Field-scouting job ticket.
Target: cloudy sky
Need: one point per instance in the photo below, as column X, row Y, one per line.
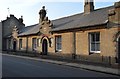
column 29, row 9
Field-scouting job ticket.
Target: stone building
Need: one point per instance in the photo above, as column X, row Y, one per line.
column 0, row 36
column 93, row 35
column 7, row 28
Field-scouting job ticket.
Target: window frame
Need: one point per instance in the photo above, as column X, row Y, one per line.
column 56, row 43
column 20, row 44
column 95, row 42
column 34, row 47
column 38, row 42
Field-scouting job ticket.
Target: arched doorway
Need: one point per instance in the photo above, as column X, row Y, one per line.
column 14, row 45
column 118, row 50
column 44, row 47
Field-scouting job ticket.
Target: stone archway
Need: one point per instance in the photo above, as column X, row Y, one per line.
column 44, row 47
column 117, row 40
column 118, row 60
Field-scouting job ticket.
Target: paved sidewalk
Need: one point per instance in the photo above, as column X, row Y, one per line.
column 83, row 66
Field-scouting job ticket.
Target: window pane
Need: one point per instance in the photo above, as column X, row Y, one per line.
column 20, row 43
column 97, row 46
column 95, row 41
column 58, row 39
column 58, row 42
column 92, row 37
column 97, row 37
column 92, row 47
column 34, row 42
column 37, row 42
column 60, row 47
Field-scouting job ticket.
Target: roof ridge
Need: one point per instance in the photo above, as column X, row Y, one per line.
column 68, row 16
column 103, row 8
column 32, row 25
column 81, row 13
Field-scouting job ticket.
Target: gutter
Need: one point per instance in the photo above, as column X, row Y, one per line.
column 28, row 34
column 90, row 26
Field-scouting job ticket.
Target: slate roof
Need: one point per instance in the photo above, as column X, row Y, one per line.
column 33, row 29
column 97, row 17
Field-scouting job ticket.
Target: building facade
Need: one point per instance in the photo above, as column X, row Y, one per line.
column 92, row 35
column 7, row 28
column 0, row 36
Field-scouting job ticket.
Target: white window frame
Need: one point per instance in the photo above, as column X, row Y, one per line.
column 91, row 51
column 20, row 44
column 34, row 47
column 56, row 43
column 52, row 41
column 38, row 42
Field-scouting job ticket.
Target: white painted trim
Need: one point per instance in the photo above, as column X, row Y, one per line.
column 118, row 38
column 90, row 45
column 58, row 50
column 56, row 45
column 47, row 41
column 95, row 51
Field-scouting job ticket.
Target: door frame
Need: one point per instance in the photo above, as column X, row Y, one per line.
column 117, row 40
column 14, row 45
column 44, row 46
column 118, row 58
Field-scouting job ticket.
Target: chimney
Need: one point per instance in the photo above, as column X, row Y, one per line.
column 114, row 15
column 88, row 6
column 11, row 15
column 117, row 12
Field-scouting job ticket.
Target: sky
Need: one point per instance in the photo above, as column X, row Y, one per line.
column 29, row 9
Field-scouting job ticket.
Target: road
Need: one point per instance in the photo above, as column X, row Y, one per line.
column 23, row 67
column 0, row 65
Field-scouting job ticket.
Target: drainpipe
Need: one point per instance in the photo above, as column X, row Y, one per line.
column 26, row 44
column 74, row 46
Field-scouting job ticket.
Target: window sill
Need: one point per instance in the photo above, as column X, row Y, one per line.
column 95, row 52
column 57, row 51
column 21, row 49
